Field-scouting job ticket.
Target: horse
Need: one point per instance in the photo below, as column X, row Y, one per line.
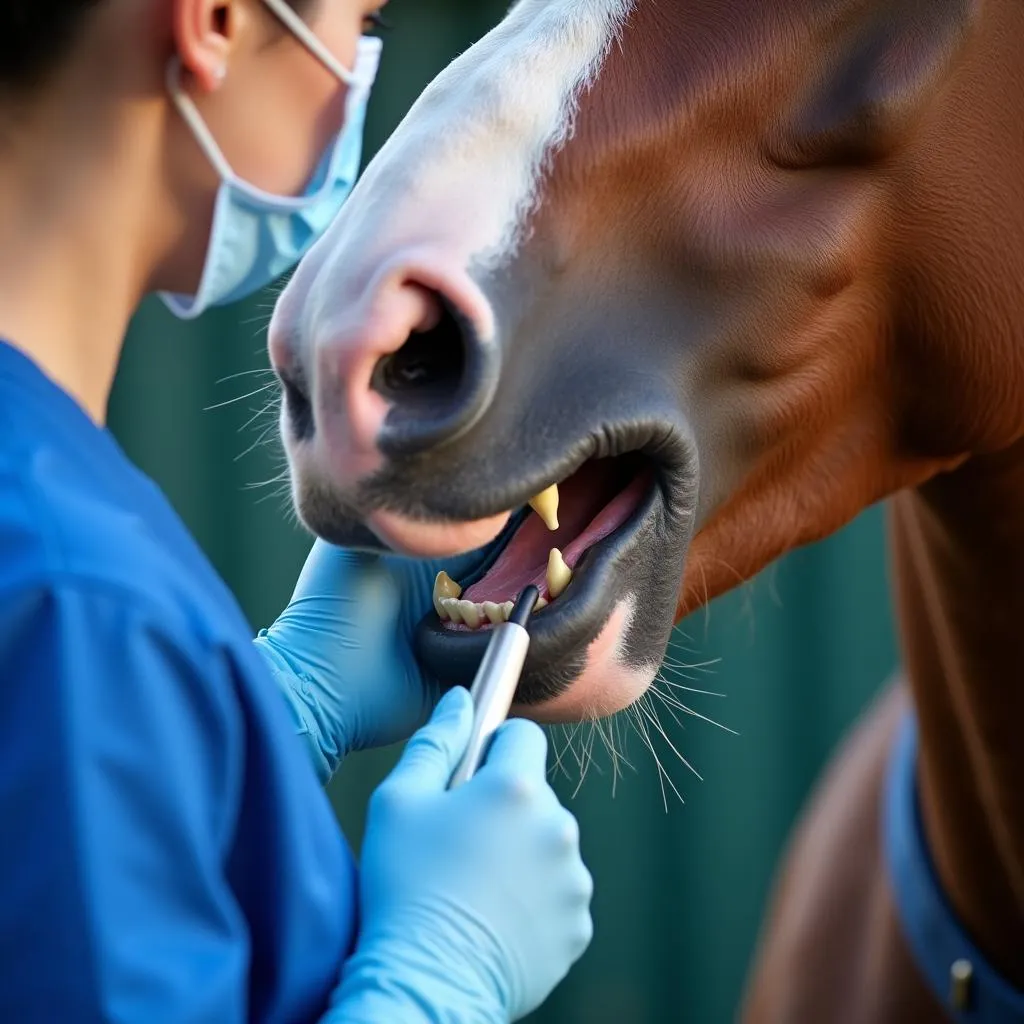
column 641, row 296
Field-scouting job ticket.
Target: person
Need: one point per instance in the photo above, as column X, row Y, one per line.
column 169, row 852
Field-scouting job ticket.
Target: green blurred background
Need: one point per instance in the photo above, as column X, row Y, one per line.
column 681, row 879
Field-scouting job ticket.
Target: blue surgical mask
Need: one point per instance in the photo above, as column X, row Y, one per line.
column 257, row 236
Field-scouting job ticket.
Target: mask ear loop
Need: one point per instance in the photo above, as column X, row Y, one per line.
column 308, row 38
column 190, row 112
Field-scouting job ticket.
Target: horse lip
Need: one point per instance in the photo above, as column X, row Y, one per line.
column 560, row 631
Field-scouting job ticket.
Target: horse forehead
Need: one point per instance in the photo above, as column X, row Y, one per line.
column 463, row 169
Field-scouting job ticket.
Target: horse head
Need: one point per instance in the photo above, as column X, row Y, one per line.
column 721, row 273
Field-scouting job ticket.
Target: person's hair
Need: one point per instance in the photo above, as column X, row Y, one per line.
column 35, row 36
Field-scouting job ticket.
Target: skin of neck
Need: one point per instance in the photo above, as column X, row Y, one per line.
column 959, row 559
column 89, row 221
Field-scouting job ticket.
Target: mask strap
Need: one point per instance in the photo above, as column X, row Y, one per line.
column 190, row 112
column 308, row 38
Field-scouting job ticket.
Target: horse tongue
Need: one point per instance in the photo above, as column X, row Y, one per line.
column 592, row 505
column 524, row 561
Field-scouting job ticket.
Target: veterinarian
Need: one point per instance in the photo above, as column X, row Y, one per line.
column 169, row 853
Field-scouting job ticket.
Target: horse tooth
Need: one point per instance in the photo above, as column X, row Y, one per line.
column 494, row 612
column 542, row 602
column 506, row 609
column 452, row 609
column 444, row 587
column 471, row 613
column 559, row 573
column 545, row 505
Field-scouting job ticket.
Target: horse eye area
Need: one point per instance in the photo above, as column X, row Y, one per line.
column 428, row 368
column 589, row 507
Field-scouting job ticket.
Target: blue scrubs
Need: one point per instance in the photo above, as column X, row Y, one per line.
column 166, row 853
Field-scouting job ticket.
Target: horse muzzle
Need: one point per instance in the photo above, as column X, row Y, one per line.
column 421, row 416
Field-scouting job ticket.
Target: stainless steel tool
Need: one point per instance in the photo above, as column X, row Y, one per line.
column 495, row 684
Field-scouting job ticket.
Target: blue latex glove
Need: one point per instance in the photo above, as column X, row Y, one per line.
column 342, row 650
column 474, row 903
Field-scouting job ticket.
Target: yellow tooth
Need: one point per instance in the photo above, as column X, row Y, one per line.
column 506, row 609
column 542, row 602
column 495, row 612
column 546, row 506
column 559, row 573
column 451, row 609
column 444, row 586
column 471, row 614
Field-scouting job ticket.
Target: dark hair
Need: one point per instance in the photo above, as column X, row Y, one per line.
column 35, row 35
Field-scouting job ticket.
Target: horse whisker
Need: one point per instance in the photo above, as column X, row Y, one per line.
column 641, row 726
column 670, row 703
column 670, row 700
column 588, row 752
column 256, row 444
column 691, row 689
column 259, row 484
column 240, row 398
column 652, row 715
column 245, row 373
column 569, row 748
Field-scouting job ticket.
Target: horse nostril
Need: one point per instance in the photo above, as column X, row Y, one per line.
column 430, row 363
column 438, row 384
column 299, row 408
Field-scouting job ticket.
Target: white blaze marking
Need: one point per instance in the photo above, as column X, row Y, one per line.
column 460, row 174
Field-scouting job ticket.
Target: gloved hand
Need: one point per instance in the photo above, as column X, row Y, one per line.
column 342, row 650
column 474, row 903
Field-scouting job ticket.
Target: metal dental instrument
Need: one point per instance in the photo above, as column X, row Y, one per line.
column 495, row 684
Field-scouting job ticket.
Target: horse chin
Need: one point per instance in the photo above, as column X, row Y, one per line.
column 608, row 682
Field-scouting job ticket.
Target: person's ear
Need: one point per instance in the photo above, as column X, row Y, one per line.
column 204, row 32
column 881, row 65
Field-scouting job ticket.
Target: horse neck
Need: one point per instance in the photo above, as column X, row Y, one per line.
column 959, row 557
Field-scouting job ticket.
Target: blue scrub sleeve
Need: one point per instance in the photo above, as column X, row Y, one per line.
column 119, row 771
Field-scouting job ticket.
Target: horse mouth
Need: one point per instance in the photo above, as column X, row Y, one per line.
column 581, row 556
